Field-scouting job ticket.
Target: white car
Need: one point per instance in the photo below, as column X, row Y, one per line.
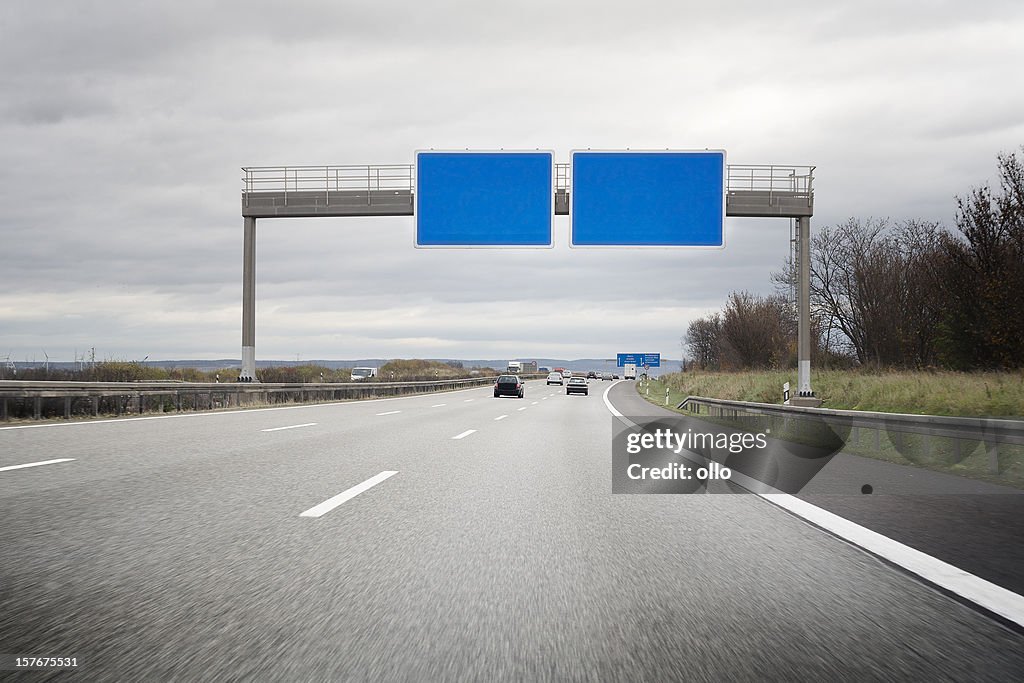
column 577, row 385
column 555, row 378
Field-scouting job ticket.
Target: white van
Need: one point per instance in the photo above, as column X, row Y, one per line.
column 360, row 374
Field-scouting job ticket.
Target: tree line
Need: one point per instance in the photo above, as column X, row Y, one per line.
column 892, row 294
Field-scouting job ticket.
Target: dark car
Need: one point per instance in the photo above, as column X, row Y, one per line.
column 508, row 385
column 577, row 385
column 591, row 375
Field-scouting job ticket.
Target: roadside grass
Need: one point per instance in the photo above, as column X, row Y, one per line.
column 975, row 394
column 989, row 394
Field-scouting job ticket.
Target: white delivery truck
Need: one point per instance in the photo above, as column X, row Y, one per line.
column 514, row 367
column 629, row 371
column 360, row 374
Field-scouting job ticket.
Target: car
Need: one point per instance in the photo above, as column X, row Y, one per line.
column 615, row 375
column 555, row 378
column 566, row 374
column 509, row 385
column 577, row 385
column 591, row 375
column 606, row 375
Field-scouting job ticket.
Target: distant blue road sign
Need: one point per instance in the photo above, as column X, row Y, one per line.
column 484, row 199
column 648, row 199
column 652, row 360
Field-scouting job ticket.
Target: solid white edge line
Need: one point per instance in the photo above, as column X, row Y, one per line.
column 985, row 594
column 35, row 464
column 995, row 599
column 390, row 412
column 278, row 429
column 331, row 503
column 464, row 434
column 501, row 417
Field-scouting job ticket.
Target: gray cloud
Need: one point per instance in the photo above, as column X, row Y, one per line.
column 124, row 126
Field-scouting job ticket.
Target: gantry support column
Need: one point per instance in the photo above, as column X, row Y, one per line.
column 248, row 373
column 803, row 225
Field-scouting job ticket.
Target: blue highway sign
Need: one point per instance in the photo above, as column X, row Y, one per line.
column 648, row 199
column 484, row 199
column 651, row 360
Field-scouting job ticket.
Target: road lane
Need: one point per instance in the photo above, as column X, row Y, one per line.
column 500, row 556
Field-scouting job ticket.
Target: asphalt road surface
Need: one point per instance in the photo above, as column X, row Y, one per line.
column 484, row 544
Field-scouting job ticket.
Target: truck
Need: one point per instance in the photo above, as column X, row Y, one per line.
column 360, row 374
column 629, row 371
column 514, row 367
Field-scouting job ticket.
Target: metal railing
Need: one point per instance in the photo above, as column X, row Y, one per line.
column 563, row 180
column 350, row 178
column 959, row 435
column 400, row 177
column 770, row 178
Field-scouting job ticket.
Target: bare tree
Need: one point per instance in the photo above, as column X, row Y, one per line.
column 703, row 337
column 983, row 322
column 757, row 332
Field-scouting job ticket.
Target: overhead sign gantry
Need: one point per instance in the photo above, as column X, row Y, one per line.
column 503, row 199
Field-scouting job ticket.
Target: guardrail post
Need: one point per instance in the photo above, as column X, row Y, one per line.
column 95, row 406
column 67, row 407
column 3, row 410
column 878, row 439
column 993, row 456
column 38, row 407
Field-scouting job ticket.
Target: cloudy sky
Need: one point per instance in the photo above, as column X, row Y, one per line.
column 124, row 124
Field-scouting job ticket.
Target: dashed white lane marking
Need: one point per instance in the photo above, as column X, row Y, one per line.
column 468, row 400
column 278, row 429
column 464, row 434
column 545, row 398
column 331, row 503
column 439, row 405
column 501, row 417
column 986, row 594
column 523, row 408
column 534, row 403
column 390, row 412
column 35, row 464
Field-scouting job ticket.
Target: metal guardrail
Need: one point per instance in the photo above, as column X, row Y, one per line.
column 992, row 432
column 132, row 397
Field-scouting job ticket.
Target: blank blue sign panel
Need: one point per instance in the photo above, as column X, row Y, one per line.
column 484, row 199
column 648, row 199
